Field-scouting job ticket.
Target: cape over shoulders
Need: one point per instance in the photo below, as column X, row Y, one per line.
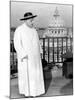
column 24, row 28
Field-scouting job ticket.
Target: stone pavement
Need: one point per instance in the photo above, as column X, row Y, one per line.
column 59, row 87
column 55, row 85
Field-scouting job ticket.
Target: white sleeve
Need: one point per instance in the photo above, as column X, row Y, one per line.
column 18, row 45
column 41, row 51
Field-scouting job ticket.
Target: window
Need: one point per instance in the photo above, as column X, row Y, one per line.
column 58, row 31
column 55, row 31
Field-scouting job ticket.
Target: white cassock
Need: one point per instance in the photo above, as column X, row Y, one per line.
column 30, row 72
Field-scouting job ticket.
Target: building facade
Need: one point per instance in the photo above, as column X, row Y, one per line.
column 57, row 27
column 57, row 39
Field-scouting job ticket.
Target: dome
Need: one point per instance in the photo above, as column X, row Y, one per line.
column 56, row 20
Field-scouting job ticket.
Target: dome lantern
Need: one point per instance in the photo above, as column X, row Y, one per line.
column 56, row 20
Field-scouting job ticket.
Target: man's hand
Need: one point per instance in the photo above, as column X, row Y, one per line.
column 26, row 57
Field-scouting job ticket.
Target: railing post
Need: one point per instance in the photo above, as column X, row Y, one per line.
column 62, row 48
column 71, row 44
column 66, row 43
column 48, row 50
column 57, row 51
column 12, row 50
column 53, row 50
column 43, row 48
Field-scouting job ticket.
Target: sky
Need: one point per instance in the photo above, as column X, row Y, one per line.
column 44, row 12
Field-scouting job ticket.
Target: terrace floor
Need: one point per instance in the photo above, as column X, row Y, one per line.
column 55, row 85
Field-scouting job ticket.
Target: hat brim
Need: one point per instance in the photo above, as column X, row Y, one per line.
column 28, row 18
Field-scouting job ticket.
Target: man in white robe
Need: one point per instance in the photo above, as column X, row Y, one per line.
column 27, row 46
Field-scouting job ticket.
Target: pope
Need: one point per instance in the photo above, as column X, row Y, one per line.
column 27, row 46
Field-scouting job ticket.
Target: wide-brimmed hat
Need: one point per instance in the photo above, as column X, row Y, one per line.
column 27, row 16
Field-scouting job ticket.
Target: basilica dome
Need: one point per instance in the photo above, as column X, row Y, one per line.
column 56, row 27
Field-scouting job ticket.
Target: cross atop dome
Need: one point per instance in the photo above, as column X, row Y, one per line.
column 56, row 13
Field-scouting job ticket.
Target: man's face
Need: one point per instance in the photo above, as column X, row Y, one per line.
column 30, row 23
